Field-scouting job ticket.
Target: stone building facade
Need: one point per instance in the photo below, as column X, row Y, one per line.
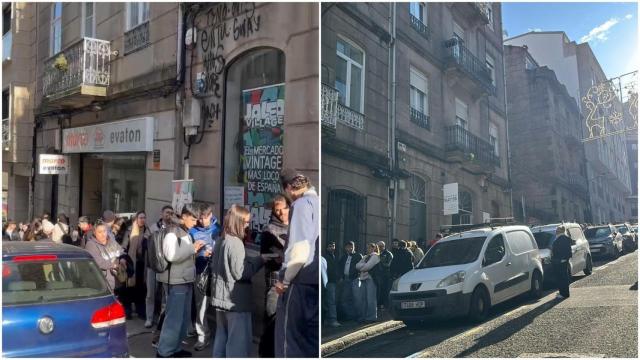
column 577, row 68
column 18, row 69
column 388, row 151
column 548, row 168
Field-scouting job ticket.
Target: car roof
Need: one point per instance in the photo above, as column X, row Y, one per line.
column 13, row 248
column 480, row 232
column 549, row 227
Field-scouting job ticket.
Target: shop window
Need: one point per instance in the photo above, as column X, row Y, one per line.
column 254, row 131
column 346, row 219
column 350, row 75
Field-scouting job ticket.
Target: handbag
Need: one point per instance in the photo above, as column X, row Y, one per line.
column 203, row 282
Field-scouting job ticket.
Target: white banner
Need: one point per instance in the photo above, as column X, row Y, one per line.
column 182, row 191
column 120, row 136
column 450, row 198
column 53, row 164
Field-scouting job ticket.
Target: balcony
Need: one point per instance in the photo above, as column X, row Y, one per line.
column 419, row 26
column 462, row 146
column 466, row 68
column 475, row 13
column 350, row 117
column 6, row 134
column 136, row 38
column 420, row 119
column 7, row 42
column 329, row 110
column 78, row 74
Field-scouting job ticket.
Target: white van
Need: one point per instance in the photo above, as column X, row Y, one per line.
column 467, row 273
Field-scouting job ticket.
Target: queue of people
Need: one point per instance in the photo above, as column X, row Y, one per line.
column 210, row 269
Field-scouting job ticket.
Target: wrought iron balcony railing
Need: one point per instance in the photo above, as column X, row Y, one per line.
column 7, row 42
column 136, row 38
column 460, row 139
column 83, row 66
column 456, row 52
column 419, row 26
column 6, row 134
column 350, row 117
column 420, row 119
column 329, row 107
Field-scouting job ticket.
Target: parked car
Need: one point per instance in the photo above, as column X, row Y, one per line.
column 467, row 273
column 629, row 237
column 57, row 303
column 581, row 260
column 604, row 240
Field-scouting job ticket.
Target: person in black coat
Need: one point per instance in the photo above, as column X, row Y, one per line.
column 348, row 275
column 560, row 255
column 402, row 259
column 386, row 259
column 329, row 296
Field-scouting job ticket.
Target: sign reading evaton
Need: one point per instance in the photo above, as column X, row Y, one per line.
column 134, row 135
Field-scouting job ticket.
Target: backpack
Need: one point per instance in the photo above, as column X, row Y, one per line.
column 156, row 260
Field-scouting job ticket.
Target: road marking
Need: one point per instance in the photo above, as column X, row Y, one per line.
column 560, row 355
column 601, row 267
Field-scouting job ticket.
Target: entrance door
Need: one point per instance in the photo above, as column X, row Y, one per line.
column 91, row 187
column 345, row 220
column 418, row 209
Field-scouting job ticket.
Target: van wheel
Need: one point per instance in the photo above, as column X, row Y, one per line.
column 588, row 267
column 480, row 304
column 536, row 286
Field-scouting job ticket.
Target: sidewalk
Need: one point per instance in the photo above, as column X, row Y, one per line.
column 335, row 339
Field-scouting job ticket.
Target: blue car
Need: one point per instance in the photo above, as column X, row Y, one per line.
column 57, row 303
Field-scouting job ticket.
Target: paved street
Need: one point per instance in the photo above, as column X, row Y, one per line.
column 598, row 320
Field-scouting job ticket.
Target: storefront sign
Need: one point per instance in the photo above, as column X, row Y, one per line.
column 263, row 149
column 182, row 191
column 120, row 136
column 233, row 195
column 450, row 198
column 53, row 164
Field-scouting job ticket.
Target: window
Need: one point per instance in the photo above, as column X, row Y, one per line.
column 417, row 208
column 495, row 251
column 6, row 19
column 88, row 20
column 56, row 28
column 490, row 62
column 419, row 10
column 489, row 11
column 493, row 138
column 137, row 13
column 519, row 242
column 350, row 75
column 6, row 104
column 465, row 205
column 462, row 113
column 419, row 88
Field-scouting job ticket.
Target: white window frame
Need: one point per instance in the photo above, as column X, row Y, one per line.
column 489, row 10
column 83, row 5
column 422, row 6
column 415, row 77
column 460, row 120
column 53, row 33
column 141, row 19
column 494, row 138
column 351, row 62
column 490, row 62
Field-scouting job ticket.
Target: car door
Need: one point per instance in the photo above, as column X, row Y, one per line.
column 496, row 267
column 519, row 270
column 577, row 250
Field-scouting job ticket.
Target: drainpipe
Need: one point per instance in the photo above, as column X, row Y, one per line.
column 506, row 112
column 32, row 189
column 179, row 150
column 392, row 121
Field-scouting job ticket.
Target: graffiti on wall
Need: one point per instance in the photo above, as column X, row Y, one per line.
column 262, row 156
column 221, row 23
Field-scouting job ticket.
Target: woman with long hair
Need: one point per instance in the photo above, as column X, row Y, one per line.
column 231, row 286
column 366, row 298
column 34, row 231
column 133, row 243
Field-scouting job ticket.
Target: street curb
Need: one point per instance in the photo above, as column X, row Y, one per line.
column 346, row 341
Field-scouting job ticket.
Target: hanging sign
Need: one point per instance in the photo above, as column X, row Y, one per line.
column 182, row 191
column 53, row 164
column 450, row 198
column 262, row 156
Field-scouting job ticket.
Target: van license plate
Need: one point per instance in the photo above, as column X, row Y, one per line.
column 412, row 304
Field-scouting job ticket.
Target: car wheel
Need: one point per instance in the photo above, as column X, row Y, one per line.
column 480, row 304
column 588, row 267
column 536, row 286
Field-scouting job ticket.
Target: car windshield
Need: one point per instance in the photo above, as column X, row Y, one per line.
column 454, row 252
column 622, row 228
column 544, row 239
column 593, row 233
column 41, row 282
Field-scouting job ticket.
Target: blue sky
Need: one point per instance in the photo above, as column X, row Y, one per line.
column 610, row 28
